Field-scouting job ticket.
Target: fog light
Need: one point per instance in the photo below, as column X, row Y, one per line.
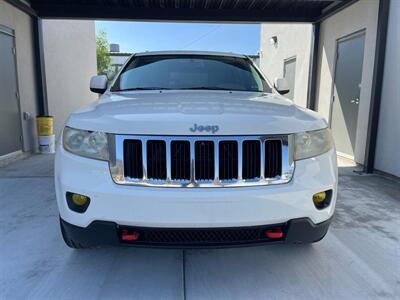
column 79, row 199
column 77, row 202
column 322, row 199
column 318, row 198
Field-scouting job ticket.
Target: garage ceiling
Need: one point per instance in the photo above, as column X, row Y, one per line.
column 190, row 10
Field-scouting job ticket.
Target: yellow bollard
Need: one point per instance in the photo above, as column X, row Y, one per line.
column 45, row 132
column 44, row 125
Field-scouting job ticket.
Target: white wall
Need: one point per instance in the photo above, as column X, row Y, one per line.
column 293, row 40
column 70, row 61
column 387, row 150
column 22, row 25
column 361, row 15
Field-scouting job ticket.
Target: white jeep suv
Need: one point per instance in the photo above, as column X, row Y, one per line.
column 188, row 149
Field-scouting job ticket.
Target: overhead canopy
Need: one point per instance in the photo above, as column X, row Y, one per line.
column 189, row 10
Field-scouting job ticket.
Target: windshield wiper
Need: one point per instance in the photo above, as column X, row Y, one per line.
column 142, row 89
column 205, row 88
column 186, row 88
column 215, row 88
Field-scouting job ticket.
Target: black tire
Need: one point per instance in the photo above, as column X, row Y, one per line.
column 68, row 241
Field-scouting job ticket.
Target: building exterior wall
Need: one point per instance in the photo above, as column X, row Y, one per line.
column 69, row 48
column 293, row 40
column 362, row 15
column 387, row 149
column 21, row 23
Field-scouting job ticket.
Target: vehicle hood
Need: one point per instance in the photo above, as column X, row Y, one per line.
column 175, row 112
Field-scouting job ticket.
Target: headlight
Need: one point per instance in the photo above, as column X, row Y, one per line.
column 312, row 143
column 92, row 144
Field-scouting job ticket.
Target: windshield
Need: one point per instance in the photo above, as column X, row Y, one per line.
column 181, row 72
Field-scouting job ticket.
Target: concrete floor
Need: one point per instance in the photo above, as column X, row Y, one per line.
column 358, row 259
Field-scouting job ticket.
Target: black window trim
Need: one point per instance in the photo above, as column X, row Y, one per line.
column 267, row 87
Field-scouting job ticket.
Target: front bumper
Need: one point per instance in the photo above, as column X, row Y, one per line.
column 162, row 207
column 103, row 233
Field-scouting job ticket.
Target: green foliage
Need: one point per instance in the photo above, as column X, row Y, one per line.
column 103, row 59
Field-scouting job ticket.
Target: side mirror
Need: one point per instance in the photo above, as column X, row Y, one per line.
column 98, row 84
column 281, row 85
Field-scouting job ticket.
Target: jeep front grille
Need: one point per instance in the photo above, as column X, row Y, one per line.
column 201, row 161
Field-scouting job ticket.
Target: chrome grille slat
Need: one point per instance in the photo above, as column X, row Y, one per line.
column 192, row 164
column 144, row 157
column 218, row 168
column 263, row 160
column 216, row 161
column 168, row 159
column 240, row 160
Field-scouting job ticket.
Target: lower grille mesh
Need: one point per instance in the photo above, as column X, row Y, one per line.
column 193, row 236
column 202, row 236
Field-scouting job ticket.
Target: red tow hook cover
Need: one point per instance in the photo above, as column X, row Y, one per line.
column 275, row 233
column 128, row 236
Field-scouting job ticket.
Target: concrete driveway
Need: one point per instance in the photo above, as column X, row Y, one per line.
column 358, row 259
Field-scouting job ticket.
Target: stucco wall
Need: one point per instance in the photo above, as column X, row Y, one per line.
column 293, row 40
column 21, row 23
column 70, row 61
column 387, row 150
column 362, row 15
